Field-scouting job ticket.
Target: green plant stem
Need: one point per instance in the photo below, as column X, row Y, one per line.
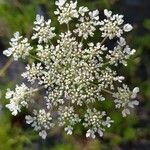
column 107, row 91
column 35, row 90
column 68, row 28
column 34, row 57
column 103, row 40
column 6, row 66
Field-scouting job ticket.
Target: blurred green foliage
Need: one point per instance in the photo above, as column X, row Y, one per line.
column 18, row 15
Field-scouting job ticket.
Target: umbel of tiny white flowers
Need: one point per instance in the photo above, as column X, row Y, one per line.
column 44, row 31
column 20, row 47
column 113, row 26
column 123, row 99
column 74, row 73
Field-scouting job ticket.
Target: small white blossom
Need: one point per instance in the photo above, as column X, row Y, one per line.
column 54, row 97
column 90, row 133
column 43, row 134
column 107, row 13
column 85, row 28
column 83, row 10
column 60, row 3
column 134, row 92
column 127, row 27
column 69, row 129
column 20, row 47
column 121, row 41
column 94, row 15
column 43, row 30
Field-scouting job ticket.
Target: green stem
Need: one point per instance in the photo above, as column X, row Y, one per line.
column 107, row 63
column 6, row 66
column 107, row 91
column 68, row 28
column 35, row 90
column 103, row 40
column 34, row 57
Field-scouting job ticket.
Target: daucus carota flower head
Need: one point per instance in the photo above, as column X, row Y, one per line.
column 73, row 71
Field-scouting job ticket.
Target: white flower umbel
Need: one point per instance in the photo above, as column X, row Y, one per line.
column 33, row 72
column 66, row 11
column 96, row 121
column 68, row 117
column 107, row 78
column 18, row 98
column 43, row 30
column 120, row 54
column 88, row 23
column 123, row 99
column 20, row 47
column 73, row 71
column 44, row 52
column 41, row 121
column 113, row 26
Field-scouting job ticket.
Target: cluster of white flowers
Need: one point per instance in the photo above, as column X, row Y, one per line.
column 43, row 52
column 108, row 77
column 112, row 26
column 88, row 22
column 43, row 30
column 123, row 99
column 19, row 47
column 96, row 121
column 33, row 72
column 18, row 98
column 68, row 117
column 73, row 73
column 66, row 11
column 41, row 121
column 120, row 54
